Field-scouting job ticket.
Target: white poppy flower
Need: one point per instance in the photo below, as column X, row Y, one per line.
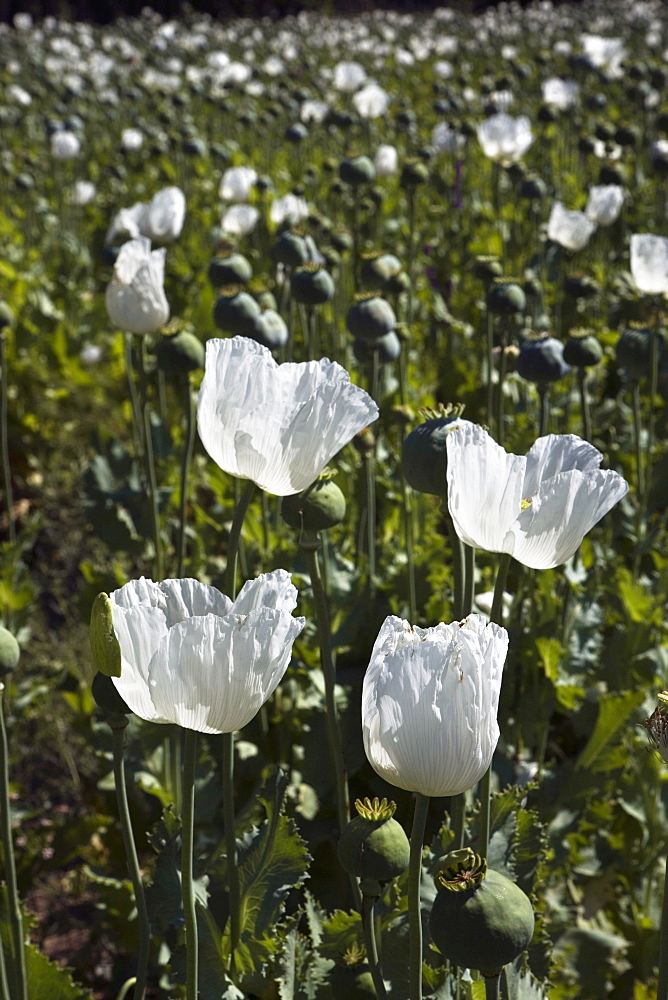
column 135, row 297
column 291, row 208
column 536, row 507
column 649, row 263
column 561, row 94
column 65, row 145
column 446, row 140
column 278, row 425
column 429, row 703
column 504, row 138
column 83, row 192
column 127, row 223
column 237, row 183
column 570, row 230
column 386, row 160
column 132, row 139
column 349, row 75
column 192, row 657
column 239, row 220
column 162, row 220
column 371, row 101
column 313, row 111
column 604, row 203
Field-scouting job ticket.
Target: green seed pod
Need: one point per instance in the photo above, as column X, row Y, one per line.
column 290, row 249
column 356, row 170
column 317, row 508
column 103, row 642
column 633, row 351
column 377, row 269
column 413, row 173
column 424, row 454
column 532, row 188
column 582, row 349
column 541, row 360
column 312, row 285
column 352, row 982
column 234, row 269
column 342, row 240
column 107, row 697
column 373, row 845
column 296, row 133
column 581, row 286
column 506, row 298
column 487, row 268
column 370, row 317
column 235, row 311
column 480, row 919
column 179, row 354
column 10, row 652
column 387, row 347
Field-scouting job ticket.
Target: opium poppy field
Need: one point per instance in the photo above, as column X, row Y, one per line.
column 333, row 564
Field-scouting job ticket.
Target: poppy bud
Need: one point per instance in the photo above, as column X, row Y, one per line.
column 107, row 697
column 10, row 652
column 103, row 641
column 388, row 349
column 317, row 508
column 634, row 349
column 290, row 249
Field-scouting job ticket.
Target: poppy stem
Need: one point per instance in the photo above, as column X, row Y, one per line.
column 13, row 903
column 150, row 461
column 231, row 843
column 118, row 725
column 233, row 540
column 544, row 413
column 368, row 903
column 6, row 468
column 492, row 987
column 490, row 366
column 187, row 850
column 469, row 579
column 185, row 470
column 637, row 430
column 457, row 547
column 584, row 404
column 653, row 388
column 414, row 878
column 137, row 422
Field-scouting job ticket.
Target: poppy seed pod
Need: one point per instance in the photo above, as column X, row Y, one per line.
column 633, row 351
column 413, row 173
column 377, row 269
column 582, row 349
column 423, row 453
column 269, row 329
column 342, row 240
column 479, row 919
column 487, row 268
column 235, row 311
column 532, row 188
column 388, row 349
column 290, row 249
column 234, row 269
column 505, row 298
column 541, row 360
column 373, row 845
column 356, row 170
column 296, row 133
column 370, row 318
column 312, row 285
column 179, row 354
column 10, row 652
column 581, row 286
column 316, row 508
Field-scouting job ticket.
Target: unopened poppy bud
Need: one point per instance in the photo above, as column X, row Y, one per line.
column 480, row 919
column 388, row 348
column 373, row 845
column 10, row 652
column 290, row 249
column 634, row 349
column 319, row 507
column 103, row 641
column 413, row 173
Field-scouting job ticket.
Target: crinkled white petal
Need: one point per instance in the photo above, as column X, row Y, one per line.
column 484, row 487
column 188, row 598
column 649, row 263
column 140, row 630
column 269, row 590
column 569, row 229
column 213, row 674
column 555, row 453
column 429, row 704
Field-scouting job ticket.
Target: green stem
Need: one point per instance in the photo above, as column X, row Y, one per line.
column 496, row 614
column 6, row 469
column 233, row 540
column 150, row 462
column 185, row 470
column 584, row 404
column 662, row 991
column 407, row 510
column 4, row 986
column 231, row 844
column 371, row 522
column 137, row 422
column 653, row 387
column 544, row 418
column 469, row 579
column 490, row 366
column 13, row 902
column 331, row 713
column 187, row 850
column 492, row 987
column 457, row 547
column 414, row 877
column 458, row 820
column 118, row 742
column 126, row 987
column 503, row 361
column 637, row 426
column 369, row 929
column 411, row 253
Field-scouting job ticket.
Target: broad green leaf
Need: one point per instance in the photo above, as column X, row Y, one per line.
column 614, row 713
column 340, row 932
column 550, row 652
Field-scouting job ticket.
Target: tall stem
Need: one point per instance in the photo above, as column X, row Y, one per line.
column 544, row 418
column 4, row 986
column 331, row 713
column 150, row 462
column 653, row 386
column 485, row 783
column 6, row 469
column 187, row 850
column 231, row 843
column 185, row 470
column 407, row 510
column 490, row 366
column 637, row 441
column 233, row 540
column 414, row 877
column 369, row 930
column 456, row 546
column 503, row 363
column 492, row 987
column 137, row 421
column 14, row 904
column 469, row 579
column 584, row 404
column 118, row 725
column 371, row 521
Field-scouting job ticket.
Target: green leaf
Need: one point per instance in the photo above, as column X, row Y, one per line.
column 341, row 932
column 638, row 602
column 613, row 714
column 550, row 652
column 272, row 860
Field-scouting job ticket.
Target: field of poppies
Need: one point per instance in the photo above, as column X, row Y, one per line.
column 333, row 562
